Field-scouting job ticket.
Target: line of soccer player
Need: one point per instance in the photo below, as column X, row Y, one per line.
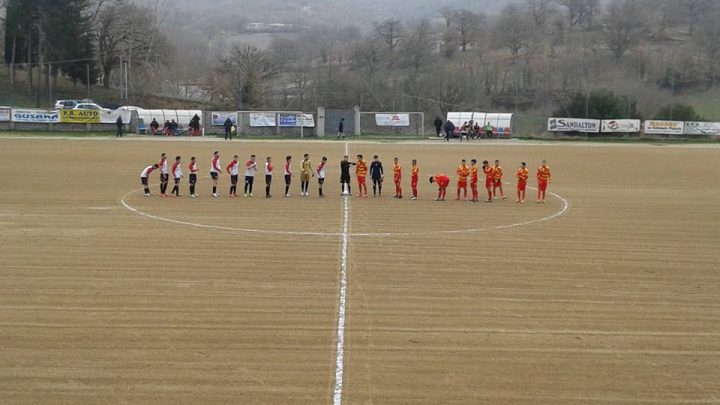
column 493, row 177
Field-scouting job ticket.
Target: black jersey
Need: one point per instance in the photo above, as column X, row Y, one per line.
column 376, row 169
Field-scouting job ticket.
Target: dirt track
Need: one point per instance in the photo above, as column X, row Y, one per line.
column 617, row 301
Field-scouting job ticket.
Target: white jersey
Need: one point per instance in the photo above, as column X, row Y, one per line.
column 321, row 170
column 215, row 165
column 288, row 168
column 146, row 172
column 268, row 169
column 163, row 166
column 250, row 168
column 177, row 173
column 234, row 168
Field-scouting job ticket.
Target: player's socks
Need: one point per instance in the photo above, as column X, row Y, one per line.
column 214, row 190
column 147, row 190
column 287, row 190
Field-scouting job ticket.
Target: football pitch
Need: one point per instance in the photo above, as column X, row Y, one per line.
column 607, row 294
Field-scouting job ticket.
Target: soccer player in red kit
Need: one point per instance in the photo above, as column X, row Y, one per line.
column 463, row 171
column 497, row 180
column 414, row 179
column 177, row 175
column 193, row 169
column 522, row 176
column 361, row 170
column 543, row 177
column 232, row 169
column 489, row 177
column 474, row 180
column 397, row 177
column 144, row 178
column 443, row 181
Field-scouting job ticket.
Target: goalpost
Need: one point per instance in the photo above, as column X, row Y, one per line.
column 403, row 124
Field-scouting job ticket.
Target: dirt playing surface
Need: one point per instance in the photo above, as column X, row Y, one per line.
column 110, row 297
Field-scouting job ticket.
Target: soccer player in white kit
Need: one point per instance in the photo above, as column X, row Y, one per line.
column 215, row 171
column 232, row 169
column 268, row 176
column 321, row 175
column 163, row 174
column 288, row 174
column 177, row 175
column 144, row 178
column 250, row 170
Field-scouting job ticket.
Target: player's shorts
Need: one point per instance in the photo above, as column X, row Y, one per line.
column 497, row 183
column 234, row 179
column 177, row 180
column 488, row 183
column 397, row 180
column 144, row 181
column 287, row 179
column 304, row 177
column 321, row 180
column 542, row 185
column 214, row 175
column 268, row 179
column 414, row 182
column 164, row 177
column 473, row 184
column 344, row 179
column 361, row 179
column 249, row 179
column 521, row 185
column 462, row 183
column 193, row 178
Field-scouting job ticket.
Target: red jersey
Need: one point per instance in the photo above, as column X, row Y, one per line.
column 474, row 174
column 463, row 172
column 498, row 173
column 543, row 173
column 192, row 167
column 442, row 180
column 232, row 168
column 397, row 172
column 415, row 173
column 361, row 169
column 489, row 172
column 523, row 174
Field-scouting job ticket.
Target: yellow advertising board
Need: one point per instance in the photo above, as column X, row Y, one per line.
column 80, row 116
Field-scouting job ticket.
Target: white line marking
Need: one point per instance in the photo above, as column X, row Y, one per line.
column 342, row 299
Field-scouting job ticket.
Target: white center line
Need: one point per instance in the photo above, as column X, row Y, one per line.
column 340, row 353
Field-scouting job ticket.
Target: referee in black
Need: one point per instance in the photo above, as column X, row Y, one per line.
column 345, row 174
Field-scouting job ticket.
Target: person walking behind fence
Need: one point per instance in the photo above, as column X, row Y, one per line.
column 193, row 169
column 288, row 174
column 215, row 171
column 250, row 170
column 119, row 123
column 268, row 176
column 543, row 177
column 377, row 174
column 228, row 129
column 341, row 128
column 177, row 175
column 321, row 176
column 438, row 125
column 232, row 169
column 414, row 179
column 449, row 129
column 144, row 178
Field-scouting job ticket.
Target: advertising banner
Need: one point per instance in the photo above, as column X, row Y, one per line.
column 664, row 127
column 219, row 117
column 573, row 125
column 35, row 116
column 288, row 120
column 621, row 126
column 392, row 120
column 696, row 128
column 110, row 117
column 262, row 119
column 306, row 120
column 80, row 116
column 4, row 115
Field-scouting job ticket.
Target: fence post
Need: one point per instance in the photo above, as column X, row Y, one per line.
column 356, row 127
column 320, row 124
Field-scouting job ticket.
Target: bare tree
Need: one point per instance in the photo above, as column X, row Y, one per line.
column 580, row 12
column 467, row 25
column 622, row 26
column 390, row 32
column 246, row 71
column 708, row 34
column 513, row 30
column 417, row 49
column 541, row 11
column 693, row 11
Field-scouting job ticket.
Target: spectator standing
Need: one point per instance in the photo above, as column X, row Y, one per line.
column 119, row 123
column 449, row 129
column 228, row 129
column 154, row 126
column 438, row 126
column 341, row 128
